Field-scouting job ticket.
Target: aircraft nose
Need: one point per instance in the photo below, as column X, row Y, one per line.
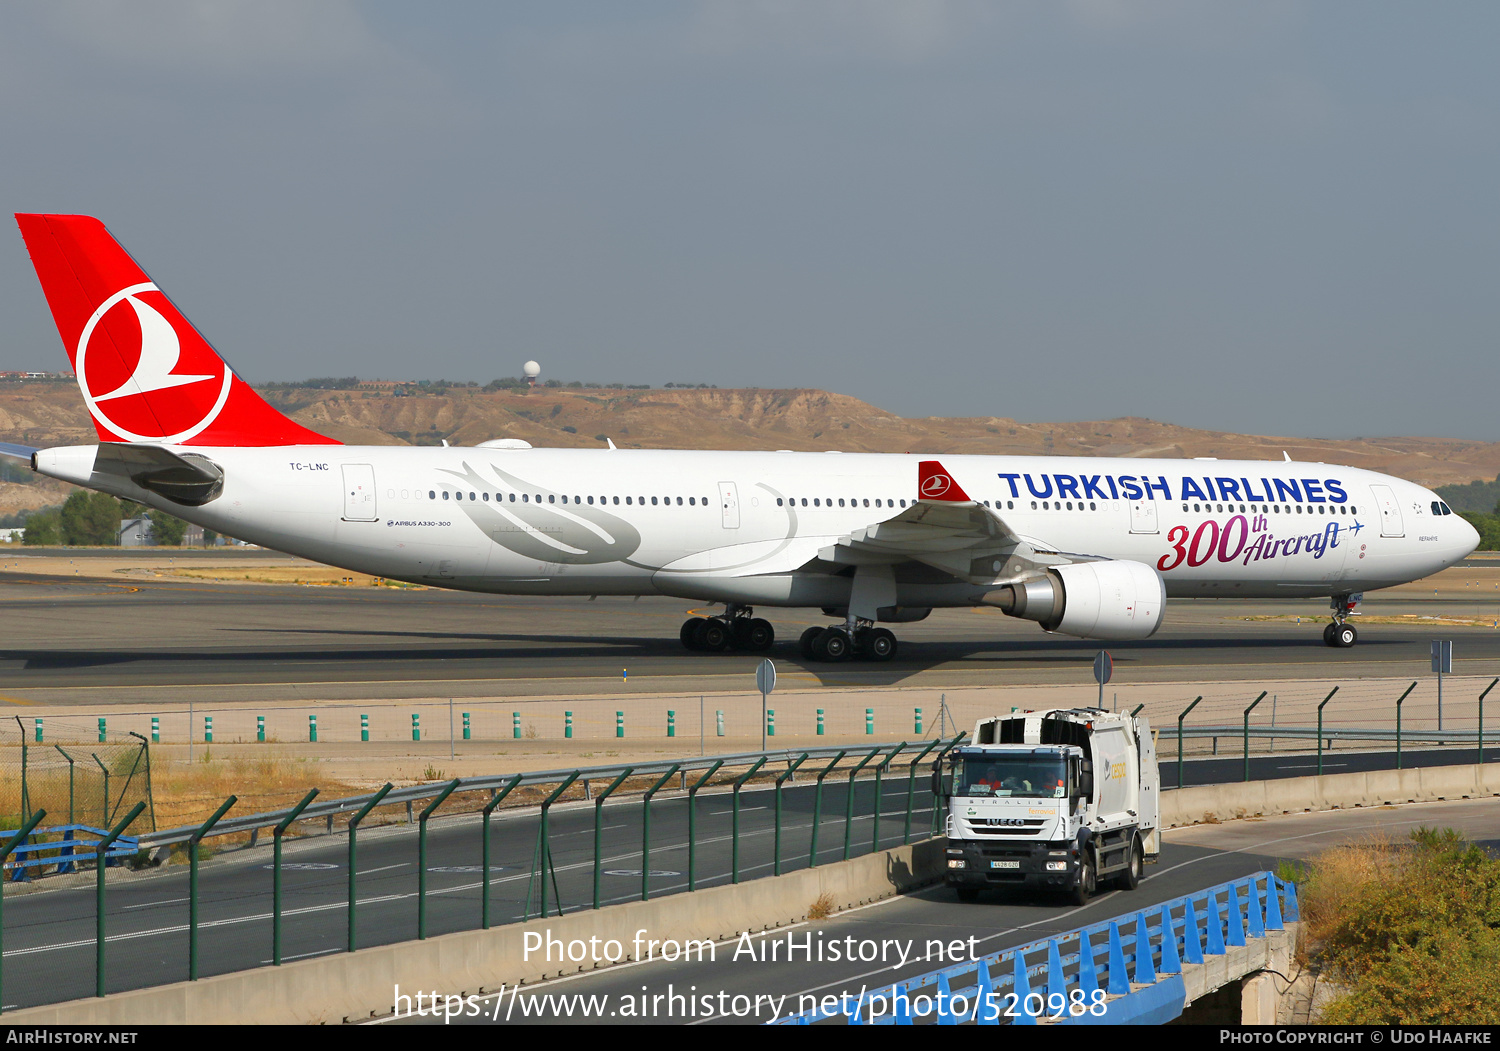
column 1465, row 539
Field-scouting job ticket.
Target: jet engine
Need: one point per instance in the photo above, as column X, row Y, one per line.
column 1092, row 600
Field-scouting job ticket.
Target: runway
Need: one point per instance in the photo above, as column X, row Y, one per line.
column 97, row 638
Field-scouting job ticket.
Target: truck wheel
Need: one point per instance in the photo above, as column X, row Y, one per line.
column 1131, row 877
column 1086, row 879
column 968, row 895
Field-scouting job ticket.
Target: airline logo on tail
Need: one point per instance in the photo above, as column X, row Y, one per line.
column 128, row 321
column 146, row 374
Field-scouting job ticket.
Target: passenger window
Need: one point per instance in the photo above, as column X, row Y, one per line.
column 627, row 501
column 692, row 501
column 653, row 501
column 1009, row 504
column 841, row 501
column 1033, row 505
column 617, row 499
column 431, row 495
column 1091, row 506
column 778, row 501
column 867, row 503
column 445, row 494
column 816, row 503
column 679, row 501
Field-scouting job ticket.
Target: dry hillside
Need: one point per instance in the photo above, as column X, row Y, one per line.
column 51, row 413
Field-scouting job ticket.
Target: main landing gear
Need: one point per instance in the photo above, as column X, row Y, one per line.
column 1341, row 634
column 736, row 629
column 865, row 642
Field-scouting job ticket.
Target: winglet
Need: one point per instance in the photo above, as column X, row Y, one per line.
column 935, row 483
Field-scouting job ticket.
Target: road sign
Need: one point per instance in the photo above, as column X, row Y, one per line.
column 1442, row 657
column 765, row 682
column 1104, row 667
column 765, row 676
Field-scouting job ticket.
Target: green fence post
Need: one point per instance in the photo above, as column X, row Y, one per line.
column 155, row 729
column 917, row 722
column 770, row 722
column 364, row 726
column 1320, row 728
column 646, row 831
column 879, row 775
column 71, row 763
column 99, row 867
column 312, row 729
column 466, row 727
column 193, row 841
column 693, row 824
column 719, row 720
column 599, row 834
column 544, row 844
column 820, row 722
column 869, row 721
column 1403, row 697
column 790, row 770
column 416, row 726
column 849, row 799
column 10, row 845
column 422, row 857
column 1482, row 696
column 484, row 882
column 812, row 849
column 208, row 729
column 353, row 860
column 911, row 788
column 734, row 849
column 101, row 730
column 39, row 729
column 276, row 834
column 671, row 723
column 260, row 728
column 619, row 724
column 568, row 725
column 515, row 725
column 1247, row 729
column 1180, row 718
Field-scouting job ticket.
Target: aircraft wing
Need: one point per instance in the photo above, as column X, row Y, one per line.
column 947, row 530
column 16, row 452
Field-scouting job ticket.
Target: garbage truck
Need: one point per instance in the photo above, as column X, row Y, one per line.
column 1059, row 799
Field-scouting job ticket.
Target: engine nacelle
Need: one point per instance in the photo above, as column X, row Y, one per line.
column 1092, row 600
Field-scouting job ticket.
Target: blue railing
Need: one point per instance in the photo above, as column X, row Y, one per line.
column 1127, row 970
column 28, row 859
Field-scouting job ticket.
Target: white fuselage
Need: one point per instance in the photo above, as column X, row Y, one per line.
column 748, row 527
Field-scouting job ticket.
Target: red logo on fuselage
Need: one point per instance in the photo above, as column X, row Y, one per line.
column 146, row 375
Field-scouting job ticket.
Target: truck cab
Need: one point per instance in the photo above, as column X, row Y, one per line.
column 1060, row 799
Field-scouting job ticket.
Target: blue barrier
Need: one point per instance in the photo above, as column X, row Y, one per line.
column 68, row 851
column 1124, row 971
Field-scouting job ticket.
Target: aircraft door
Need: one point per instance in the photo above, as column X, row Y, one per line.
column 1390, row 511
column 1143, row 516
column 729, row 505
column 359, row 492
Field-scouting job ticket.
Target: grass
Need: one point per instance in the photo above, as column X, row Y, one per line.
column 186, row 793
column 1410, row 930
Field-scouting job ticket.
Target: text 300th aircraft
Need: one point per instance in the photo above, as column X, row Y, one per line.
column 1087, row 547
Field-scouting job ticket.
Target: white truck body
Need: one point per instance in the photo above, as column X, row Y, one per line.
column 1056, row 799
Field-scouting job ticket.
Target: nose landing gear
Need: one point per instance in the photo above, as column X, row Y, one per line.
column 1341, row 634
column 737, row 629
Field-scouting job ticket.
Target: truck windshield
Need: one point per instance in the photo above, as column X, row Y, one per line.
column 1024, row 776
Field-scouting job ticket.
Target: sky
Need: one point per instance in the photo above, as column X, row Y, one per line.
column 1266, row 217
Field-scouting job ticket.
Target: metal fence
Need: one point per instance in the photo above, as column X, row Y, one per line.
column 849, row 801
column 78, row 781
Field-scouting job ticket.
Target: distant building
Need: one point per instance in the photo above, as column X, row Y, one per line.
column 11, row 536
column 136, row 532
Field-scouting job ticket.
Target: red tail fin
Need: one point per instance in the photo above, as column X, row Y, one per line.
column 935, row 483
column 145, row 372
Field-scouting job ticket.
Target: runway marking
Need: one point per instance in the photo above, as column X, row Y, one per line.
column 16, row 700
column 383, row 868
column 305, row 955
column 150, row 904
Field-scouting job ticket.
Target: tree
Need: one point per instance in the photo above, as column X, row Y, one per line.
column 90, row 518
column 167, row 530
column 43, row 529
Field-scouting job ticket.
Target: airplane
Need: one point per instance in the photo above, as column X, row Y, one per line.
column 1086, row 547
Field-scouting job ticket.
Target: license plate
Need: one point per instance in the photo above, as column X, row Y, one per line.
column 1005, row 864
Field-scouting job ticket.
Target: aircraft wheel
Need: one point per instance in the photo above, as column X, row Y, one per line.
column 1345, row 636
column 881, row 645
column 807, row 644
column 1328, row 634
column 832, row 645
column 689, row 633
column 759, row 636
